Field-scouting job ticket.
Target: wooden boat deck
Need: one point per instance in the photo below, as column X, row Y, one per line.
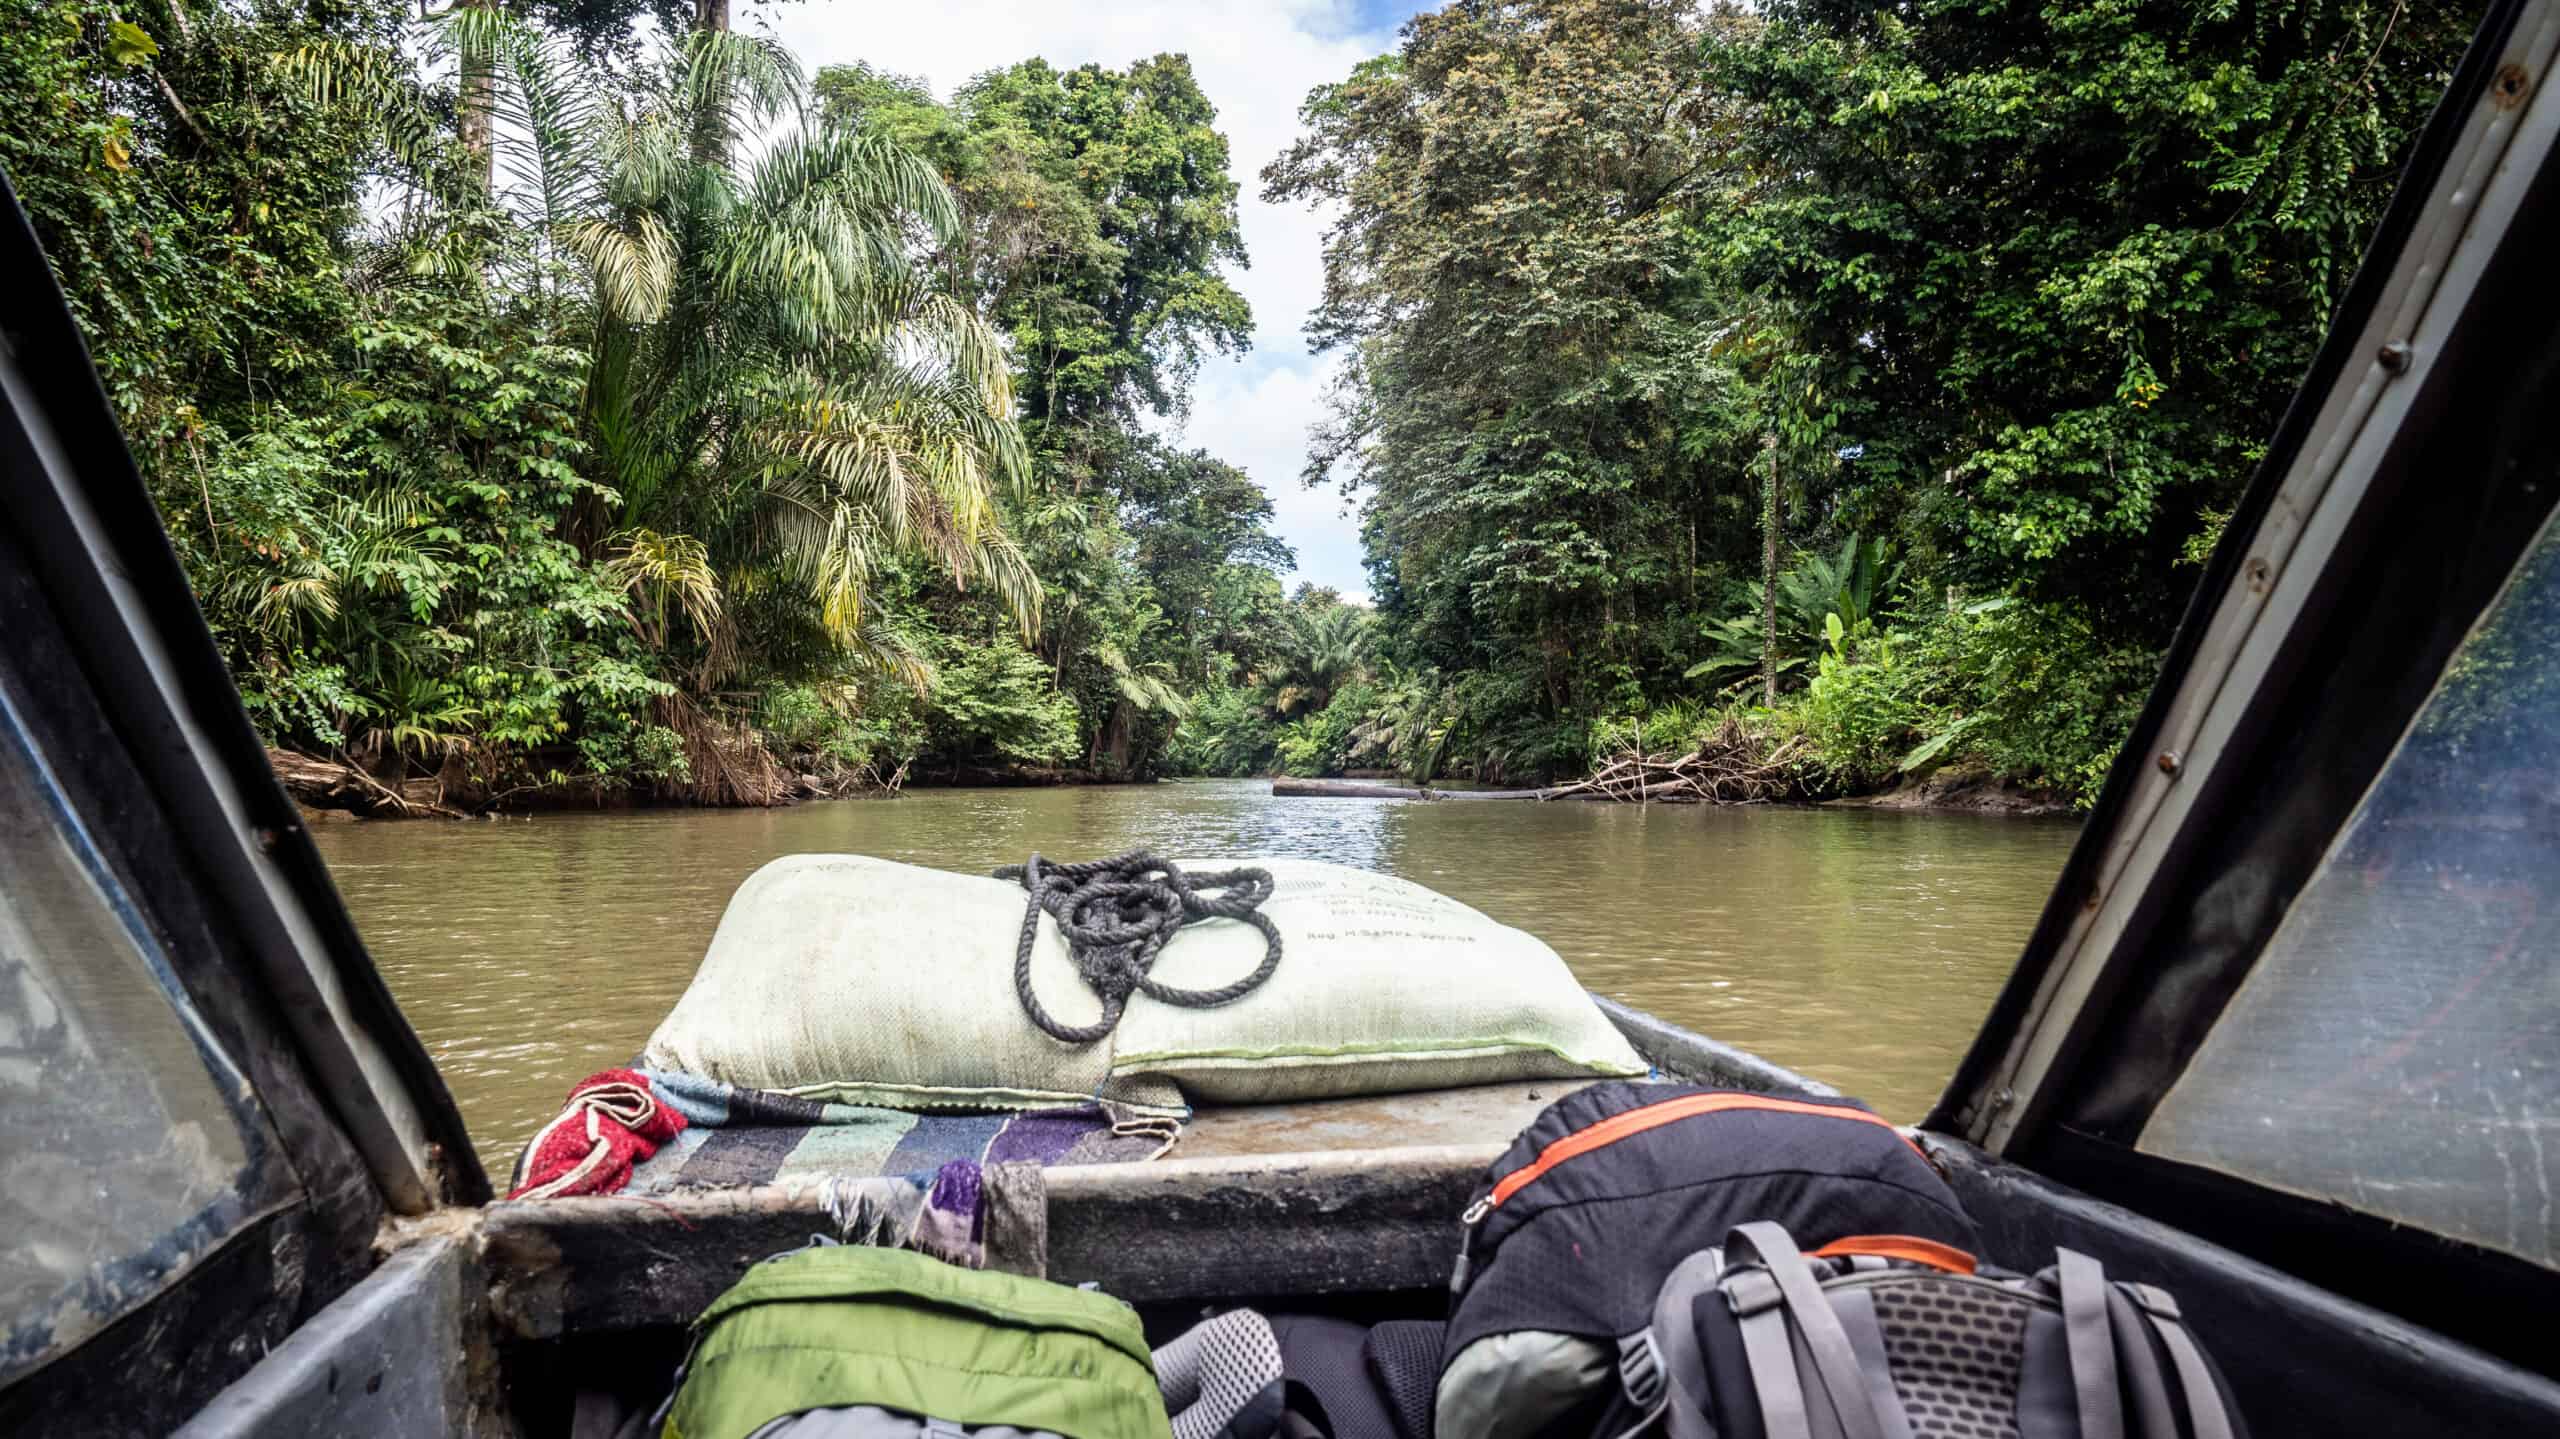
column 1485, row 1116
column 1316, row 1197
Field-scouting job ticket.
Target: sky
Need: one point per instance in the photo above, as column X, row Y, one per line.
column 1256, row 59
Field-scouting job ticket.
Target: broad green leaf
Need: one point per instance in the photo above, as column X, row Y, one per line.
column 1936, row 744
column 129, row 45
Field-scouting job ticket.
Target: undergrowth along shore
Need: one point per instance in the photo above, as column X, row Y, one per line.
column 1996, row 705
column 1734, row 765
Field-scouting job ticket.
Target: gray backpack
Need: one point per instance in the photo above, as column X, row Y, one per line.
column 1758, row 1339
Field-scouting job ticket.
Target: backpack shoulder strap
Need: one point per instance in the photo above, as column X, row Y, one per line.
column 1784, row 1287
column 1658, row 1364
column 2201, row 1396
column 1760, row 1313
column 2086, row 1337
column 2109, row 1327
column 2155, row 1416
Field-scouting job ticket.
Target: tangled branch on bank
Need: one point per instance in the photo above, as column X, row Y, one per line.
column 1731, row 766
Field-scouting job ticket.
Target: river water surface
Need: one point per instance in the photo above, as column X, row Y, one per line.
column 1859, row 946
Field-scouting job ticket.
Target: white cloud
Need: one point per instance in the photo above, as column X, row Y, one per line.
column 1255, row 415
column 1256, row 60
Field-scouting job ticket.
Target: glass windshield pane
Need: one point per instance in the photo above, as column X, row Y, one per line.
column 127, row 1139
column 2397, row 1048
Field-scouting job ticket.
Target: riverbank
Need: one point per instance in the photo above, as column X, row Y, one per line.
column 1751, row 759
column 1952, row 792
column 331, row 787
column 1962, row 789
column 1726, row 769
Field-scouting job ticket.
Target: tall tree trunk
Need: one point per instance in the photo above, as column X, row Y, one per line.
column 478, row 103
column 1689, row 575
column 711, row 122
column 1769, row 579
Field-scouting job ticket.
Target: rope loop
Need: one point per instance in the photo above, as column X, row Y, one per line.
column 1117, row 915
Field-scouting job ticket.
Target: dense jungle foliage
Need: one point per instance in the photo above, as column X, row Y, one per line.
column 569, row 397
column 1874, row 372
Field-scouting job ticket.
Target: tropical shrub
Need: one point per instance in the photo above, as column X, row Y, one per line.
column 391, row 581
column 1229, row 732
column 1320, row 743
column 1865, row 712
column 838, row 730
column 993, row 700
column 2030, row 693
column 2055, row 699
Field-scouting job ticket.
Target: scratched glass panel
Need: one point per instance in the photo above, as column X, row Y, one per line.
column 2397, row 1048
column 127, row 1140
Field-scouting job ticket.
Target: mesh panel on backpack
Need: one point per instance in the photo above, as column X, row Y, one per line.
column 1214, row 1369
column 1330, row 1357
column 1404, row 1355
column 1956, row 1352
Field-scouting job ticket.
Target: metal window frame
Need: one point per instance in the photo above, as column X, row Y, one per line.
column 92, row 541
column 2492, row 141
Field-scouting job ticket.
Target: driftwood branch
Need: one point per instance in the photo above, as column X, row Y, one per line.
column 1728, row 767
column 333, row 784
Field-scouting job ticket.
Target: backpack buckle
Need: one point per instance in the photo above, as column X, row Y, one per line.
column 1640, row 1370
column 1751, row 1291
column 2156, row 1301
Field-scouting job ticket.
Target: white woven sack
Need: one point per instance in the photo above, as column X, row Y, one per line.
column 864, row 981
column 1383, row 986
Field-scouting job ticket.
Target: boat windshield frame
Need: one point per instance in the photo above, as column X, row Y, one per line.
column 128, row 701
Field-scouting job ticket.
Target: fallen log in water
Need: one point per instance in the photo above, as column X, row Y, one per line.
column 1342, row 789
column 1361, row 789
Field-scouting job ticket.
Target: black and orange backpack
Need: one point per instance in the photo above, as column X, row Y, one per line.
column 1721, row 1264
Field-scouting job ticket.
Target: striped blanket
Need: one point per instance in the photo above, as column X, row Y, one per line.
column 735, row 1137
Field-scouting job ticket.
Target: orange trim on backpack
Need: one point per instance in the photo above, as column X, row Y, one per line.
column 1900, row 1246
column 1653, row 1116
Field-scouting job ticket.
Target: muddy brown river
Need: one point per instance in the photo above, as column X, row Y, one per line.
column 1859, row 946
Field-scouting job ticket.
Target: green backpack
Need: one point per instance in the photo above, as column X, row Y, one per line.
column 858, row 1340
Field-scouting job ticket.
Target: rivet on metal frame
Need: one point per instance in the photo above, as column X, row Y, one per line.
column 2508, row 86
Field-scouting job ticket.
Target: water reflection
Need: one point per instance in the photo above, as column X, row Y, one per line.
column 1859, row 946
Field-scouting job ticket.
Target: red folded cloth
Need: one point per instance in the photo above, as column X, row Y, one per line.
column 613, row 1122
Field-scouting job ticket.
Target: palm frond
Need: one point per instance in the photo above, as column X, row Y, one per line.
column 656, row 568
column 733, row 84
column 331, row 74
column 632, row 263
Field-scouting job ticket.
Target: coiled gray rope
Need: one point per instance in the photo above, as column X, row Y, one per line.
column 1117, row 915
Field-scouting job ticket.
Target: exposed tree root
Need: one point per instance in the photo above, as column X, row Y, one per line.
column 728, row 761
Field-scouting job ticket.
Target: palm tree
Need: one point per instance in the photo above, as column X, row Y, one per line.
column 1323, row 649
column 1410, row 723
column 775, row 387
column 772, row 373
